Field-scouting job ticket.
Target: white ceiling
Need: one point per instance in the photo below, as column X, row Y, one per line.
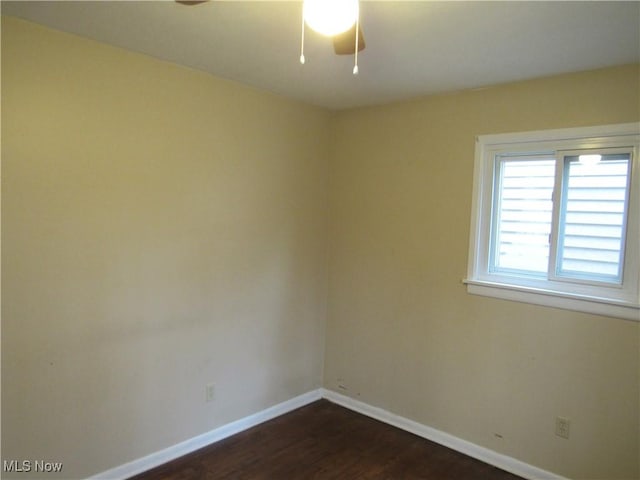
column 414, row 48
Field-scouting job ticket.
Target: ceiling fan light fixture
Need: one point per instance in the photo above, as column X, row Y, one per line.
column 330, row 17
column 590, row 160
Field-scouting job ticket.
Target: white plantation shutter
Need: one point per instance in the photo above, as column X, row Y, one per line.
column 524, row 214
column 592, row 224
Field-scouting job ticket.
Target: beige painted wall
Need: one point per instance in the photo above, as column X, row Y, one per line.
column 161, row 229
column 402, row 332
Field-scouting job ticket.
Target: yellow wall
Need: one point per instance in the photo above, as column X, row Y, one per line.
column 162, row 229
column 402, row 332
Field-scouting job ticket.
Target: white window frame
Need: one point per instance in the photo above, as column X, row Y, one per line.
column 616, row 300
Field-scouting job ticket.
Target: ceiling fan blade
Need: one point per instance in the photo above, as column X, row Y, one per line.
column 345, row 43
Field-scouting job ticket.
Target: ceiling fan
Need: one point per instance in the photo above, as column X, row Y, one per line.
column 344, row 43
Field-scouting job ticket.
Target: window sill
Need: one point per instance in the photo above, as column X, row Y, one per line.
column 549, row 298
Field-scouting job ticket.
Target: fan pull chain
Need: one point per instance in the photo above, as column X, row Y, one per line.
column 302, row 40
column 355, row 67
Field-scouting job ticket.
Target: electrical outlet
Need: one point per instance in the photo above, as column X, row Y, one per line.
column 562, row 427
column 210, row 392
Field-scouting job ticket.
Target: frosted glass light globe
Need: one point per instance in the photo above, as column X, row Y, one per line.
column 330, row 17
column 590, row 160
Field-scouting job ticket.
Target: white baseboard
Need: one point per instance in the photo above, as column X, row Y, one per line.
column 171, row 453
column 471, row 449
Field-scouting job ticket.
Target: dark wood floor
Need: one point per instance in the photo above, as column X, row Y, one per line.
column 325, row 441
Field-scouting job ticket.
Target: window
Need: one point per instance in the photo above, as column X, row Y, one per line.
column 556, row 219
